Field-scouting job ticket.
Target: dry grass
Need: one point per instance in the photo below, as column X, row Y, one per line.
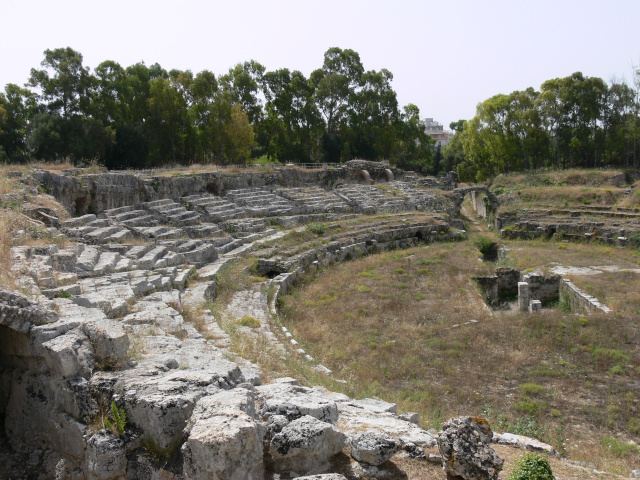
column 386, row 323
column 543, row 178
column 564, row 196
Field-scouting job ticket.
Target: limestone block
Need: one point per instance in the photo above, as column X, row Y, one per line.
column 69, row 355
column 110, row 341
column 535, row 306
column 237, row 399
column 306, row 445
column 296, row 406
column 373, row 447
column 464, row 445
column 523, row 442
column 410, row 417
column 224, row 447
column 160, row 415
column 523, row 296
column 105, row 456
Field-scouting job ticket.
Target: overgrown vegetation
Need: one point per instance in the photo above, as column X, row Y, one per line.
column 532, row 466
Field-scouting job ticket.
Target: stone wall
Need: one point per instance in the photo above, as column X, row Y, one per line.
column 579, row 300
column 98, row 192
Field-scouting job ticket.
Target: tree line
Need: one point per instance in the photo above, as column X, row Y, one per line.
column 145, row 116
column 576, row 121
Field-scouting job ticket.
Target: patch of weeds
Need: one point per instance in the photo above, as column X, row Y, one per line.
column 531, row 389
column 419, row 296
column 564, row 305
column 527, row 406
column 317, row 228
column 610, row 354
column 399, row 271
column 617, row 448
column 117, row 421
column 634, row 425
column 617, row 370
column 361, row 289
column 369, row 274
column 486, row 246
column 258, row 279
column 429, row 261
column 250, row 322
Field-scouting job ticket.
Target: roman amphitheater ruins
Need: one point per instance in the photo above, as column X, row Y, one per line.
column 100, row 329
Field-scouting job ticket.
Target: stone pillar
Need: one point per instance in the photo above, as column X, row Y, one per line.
column 523, row 296
column 535, row 306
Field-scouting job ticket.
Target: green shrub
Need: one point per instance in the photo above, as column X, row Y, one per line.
column 486, row 246
column 532, row 466
column 250, row 322
column 527, row 406
column 531, row 388
column 317, row 228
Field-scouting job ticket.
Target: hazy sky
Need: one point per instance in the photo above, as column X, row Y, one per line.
column 445, row 56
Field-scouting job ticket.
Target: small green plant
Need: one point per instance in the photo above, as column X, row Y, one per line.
column 64, row 294
column 532, row 466
column 117, row 420
column 486, row 247
column 618, row 448
column 317, row 228
column 250, row 322
column 361, row 289
column 527, row 406
column 531, row 389
column 230, row 228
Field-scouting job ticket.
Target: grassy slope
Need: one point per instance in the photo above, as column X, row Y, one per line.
column 386, row 324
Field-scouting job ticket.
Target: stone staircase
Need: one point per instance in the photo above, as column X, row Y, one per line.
column 214, row 209
column 315, row 200
column 92, row 229
column 259, row 202
column 172, row 212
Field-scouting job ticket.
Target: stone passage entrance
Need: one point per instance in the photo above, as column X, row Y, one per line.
column 461, row 193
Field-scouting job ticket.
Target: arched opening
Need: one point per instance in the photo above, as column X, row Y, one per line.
column 364, row 177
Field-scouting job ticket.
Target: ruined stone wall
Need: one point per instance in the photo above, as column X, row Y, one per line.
column 579, row 300
column 98, row 192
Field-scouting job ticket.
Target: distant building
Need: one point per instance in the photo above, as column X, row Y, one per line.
column 436, row 131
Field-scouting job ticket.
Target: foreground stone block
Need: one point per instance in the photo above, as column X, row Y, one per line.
column 105, row 456
column 464, row 444
column 224, row 447
column 373, row 447
column 305, row 446
column 535, row 306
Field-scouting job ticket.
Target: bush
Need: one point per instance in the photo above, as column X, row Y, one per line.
column 487, row 248
column 317, row 228
column 531, row 388
column 250, row 322
column 532, row 467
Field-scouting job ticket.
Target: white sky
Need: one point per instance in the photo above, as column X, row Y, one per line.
column 446, row 56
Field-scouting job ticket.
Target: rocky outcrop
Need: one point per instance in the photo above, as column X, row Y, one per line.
column 464, row 444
